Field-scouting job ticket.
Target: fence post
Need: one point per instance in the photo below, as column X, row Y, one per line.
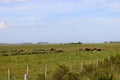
column 25, row 77
column 81, row 65
column 27, row 69
column 108, row 57
column 8, row 73
column 46, row 72
column 90, row 62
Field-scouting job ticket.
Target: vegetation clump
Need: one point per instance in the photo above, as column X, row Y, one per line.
column 63, row 73
column 106, row 70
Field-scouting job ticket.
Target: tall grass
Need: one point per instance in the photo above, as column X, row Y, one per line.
column 37, row 62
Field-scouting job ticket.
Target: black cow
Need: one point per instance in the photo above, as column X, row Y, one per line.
column 51, row 49
column 99, row 49
column 87, row 49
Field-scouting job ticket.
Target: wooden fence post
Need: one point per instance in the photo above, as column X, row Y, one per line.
column 46, row 72
column 8, row 73
column 25, row 77
column 81, row 65
column 90, row 62
column 27, row 70
column 108, row 57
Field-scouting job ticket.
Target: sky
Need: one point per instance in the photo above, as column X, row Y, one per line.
column 59, row 21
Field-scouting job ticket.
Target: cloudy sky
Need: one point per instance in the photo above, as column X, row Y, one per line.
column 56, row 21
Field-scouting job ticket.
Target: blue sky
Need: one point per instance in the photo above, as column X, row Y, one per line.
column 56, row 21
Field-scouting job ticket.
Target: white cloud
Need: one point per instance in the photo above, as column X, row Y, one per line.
column 2, row 25
column 41, row 9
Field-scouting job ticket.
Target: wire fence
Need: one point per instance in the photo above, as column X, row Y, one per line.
column 31, row 73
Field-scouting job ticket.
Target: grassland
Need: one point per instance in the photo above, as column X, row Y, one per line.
column 37, row 62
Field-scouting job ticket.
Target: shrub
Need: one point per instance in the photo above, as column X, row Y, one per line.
column 71, row 76
column 58, row 50
column 87, row 70
column 60, row 72
column 63, row 73
column 40, row 77
column 101, row 75
column 5, row 54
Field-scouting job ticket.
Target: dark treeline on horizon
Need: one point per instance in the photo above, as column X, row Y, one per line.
column 60, row 43
column 113, row 42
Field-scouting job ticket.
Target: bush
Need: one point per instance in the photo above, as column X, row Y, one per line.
column 63, row 73
column 5, row 54
column 101, row 75
column 58, row 50
column 60, row 72
column 71, row 76
column 41, row 77
column 87, row 70
column 104, row 71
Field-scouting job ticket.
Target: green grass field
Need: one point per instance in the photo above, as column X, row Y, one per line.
column 37, row 62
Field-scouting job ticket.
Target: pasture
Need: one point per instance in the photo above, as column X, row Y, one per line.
column 18, row 57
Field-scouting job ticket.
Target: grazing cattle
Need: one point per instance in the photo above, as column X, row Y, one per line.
column 79, row 50
column 51, row 49
column 96, row 49
column 55, row 50
column 87, row 49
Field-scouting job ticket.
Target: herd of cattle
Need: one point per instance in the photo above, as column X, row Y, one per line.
column 78, row 50
column 23, row 52
column 89, row 49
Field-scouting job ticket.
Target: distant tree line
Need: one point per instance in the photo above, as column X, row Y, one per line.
column 75, row 43
column 35, row 43
column 42, row 43
column 113, row 42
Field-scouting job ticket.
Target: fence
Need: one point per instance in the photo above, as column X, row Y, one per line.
column 19, row 74
column 27, row 73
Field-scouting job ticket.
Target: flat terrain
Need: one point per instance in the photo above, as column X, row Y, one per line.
column 11, row 57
